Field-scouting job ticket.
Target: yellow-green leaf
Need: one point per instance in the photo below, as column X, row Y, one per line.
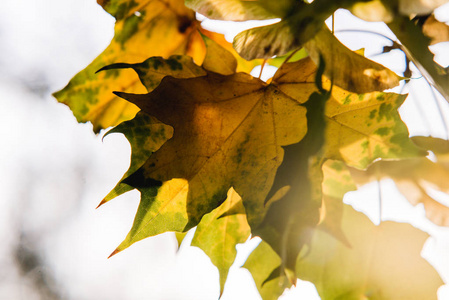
column 218, row 59
column 146, row 135
column 415, row 177
column 382, row 262
column 235, row 121
column 218, row 234
column 362, row 128
column 263, row 263
column 155, row 68
column 180, row 238
column 348, row 69
column 143, row 29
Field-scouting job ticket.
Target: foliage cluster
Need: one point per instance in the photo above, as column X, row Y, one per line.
column 217, row 149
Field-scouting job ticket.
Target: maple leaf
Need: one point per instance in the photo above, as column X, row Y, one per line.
column 270, row 272
column 297, row 188
column 349, row 70
column 142, row 128
column 382, row 262
column 262, row 263
column 415, row 177
column 230, row 128
column 296, row 209
column 238, row 10
column 146, row 135
column 360, row 127
column 149, row 28
column 300, row 22
column 220, row 231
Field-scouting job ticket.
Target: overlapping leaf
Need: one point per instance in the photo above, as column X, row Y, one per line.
column 146, row 135
column 220, row 231
column 262, row 263
column 241, row 10
column 297, row 26
column 437, row 31
column 364, row 127
column 141, row 132
column 382, row 262
column 360, row 127
column 348, row 69
column 414, row 178
column 416, row 46
column 143, row 29
column 271, row 273
column 228, row 133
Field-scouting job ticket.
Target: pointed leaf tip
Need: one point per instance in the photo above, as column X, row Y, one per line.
column 119, row 94
column 101, row 203
column 114, row 253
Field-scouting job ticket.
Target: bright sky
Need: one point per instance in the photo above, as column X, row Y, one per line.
column 54, row 172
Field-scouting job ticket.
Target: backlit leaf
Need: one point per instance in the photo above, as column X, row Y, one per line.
column 218, row 59
column 262, row 263
column 228, row 133
column 218, row 235
column 416, row 46
column 241, row 10
column 360, row 127
column 348, row 69
column 143, row 29
column 300, row 24
column 437, row 31
column 364, row 127
column 146, row 135
column 382, row 262
column 415, row 177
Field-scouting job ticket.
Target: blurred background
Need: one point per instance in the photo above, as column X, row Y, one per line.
column 54, row 172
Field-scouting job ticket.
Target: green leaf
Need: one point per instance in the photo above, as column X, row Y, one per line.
column 346, row 68
column 263, row 263
column 382, row 262
column 218, row 235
